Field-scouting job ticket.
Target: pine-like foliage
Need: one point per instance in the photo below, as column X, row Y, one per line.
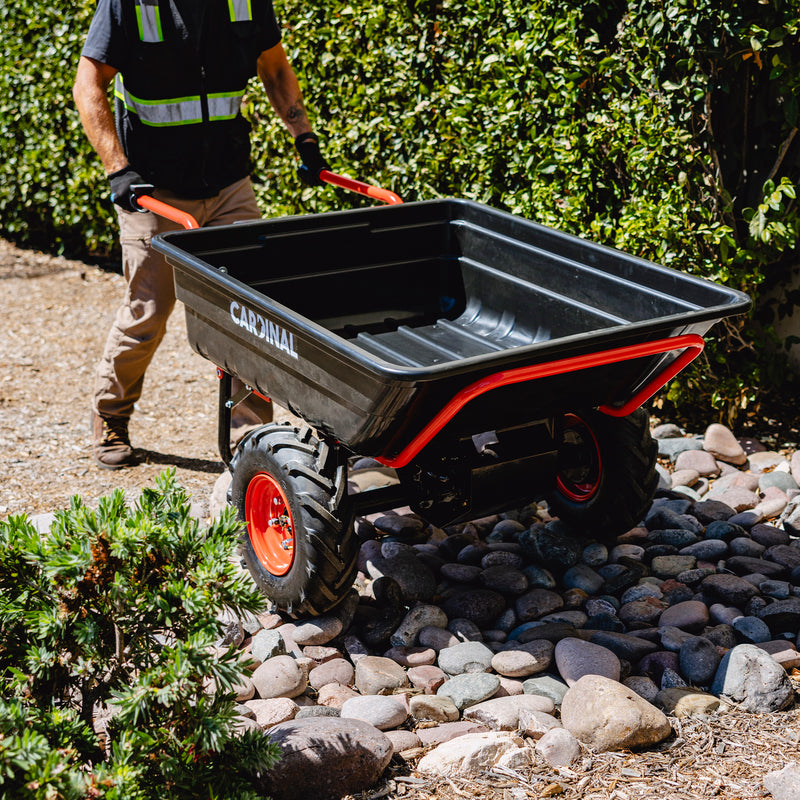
column 110, row 684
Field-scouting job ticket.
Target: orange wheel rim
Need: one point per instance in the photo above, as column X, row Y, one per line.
column 270, row 524
column 580, row 480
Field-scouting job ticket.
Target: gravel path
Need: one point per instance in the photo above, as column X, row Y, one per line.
column 56, row 316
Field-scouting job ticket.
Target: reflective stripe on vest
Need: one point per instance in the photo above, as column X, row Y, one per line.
column 179, row 110
column 224, row 105
column 148, row 18
column 240, row 10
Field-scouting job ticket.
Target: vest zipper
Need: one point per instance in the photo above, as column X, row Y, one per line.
column 205, row 122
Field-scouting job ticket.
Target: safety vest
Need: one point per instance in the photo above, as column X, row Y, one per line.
column 179, row 110
column 178, row 102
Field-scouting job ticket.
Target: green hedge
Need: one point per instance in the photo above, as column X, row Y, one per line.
column 666, row 131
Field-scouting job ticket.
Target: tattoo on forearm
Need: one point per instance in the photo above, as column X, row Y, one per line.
column 296, row 112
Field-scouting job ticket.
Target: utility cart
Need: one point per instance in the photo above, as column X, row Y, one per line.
column 489, row 360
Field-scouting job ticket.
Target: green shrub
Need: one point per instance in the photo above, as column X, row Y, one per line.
column 113, row 614
column 666, row 130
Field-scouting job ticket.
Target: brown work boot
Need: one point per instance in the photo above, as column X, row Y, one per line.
column 112, row 447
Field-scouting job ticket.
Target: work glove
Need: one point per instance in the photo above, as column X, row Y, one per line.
column 313, row 162
column 126, row 186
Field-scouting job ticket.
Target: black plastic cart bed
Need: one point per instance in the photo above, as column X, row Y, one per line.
column 488, row 359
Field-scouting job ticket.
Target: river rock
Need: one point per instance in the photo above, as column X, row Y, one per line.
column 643, row 686
column 378, row 710
column 576, row 658
column 691, row 615
column 784, row 784
column 375, row 674
column 700, row 461
column 782, row 615
column 436, row 639
column 403, row 740
column 521, row 660
column 624, row 646
column 417, row 618
column 335, row 695
column 729, row 588
column 412, row 656
column 750, row 677
column 783, row 652
column 698, row 660
column 481, row 606
column 465, row 657
column 686, row 702
column 606, row 715
column 446, row 731
column 546, row 686
column 318, row 631
column 723, row 445
column 267, row 644
column 473, row 754
column 558, row 747
column 502, row 713
column 435, row 707
column 416, row 580
column 324, row 758
column 470, row 688
column 273, row 711
column 536, row 603
column 536, row 723
column 752, row 629
column 279, row 677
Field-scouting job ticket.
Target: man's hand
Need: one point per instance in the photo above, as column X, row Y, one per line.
column 313, row 162
column 126, row 186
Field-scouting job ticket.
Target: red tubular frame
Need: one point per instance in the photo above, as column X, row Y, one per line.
column 167, row 211
column 375, row 192
column 690, row 343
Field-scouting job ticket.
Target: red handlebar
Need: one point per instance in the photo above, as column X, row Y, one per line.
column 189, row 222
column 375, row 192
column 167, row 211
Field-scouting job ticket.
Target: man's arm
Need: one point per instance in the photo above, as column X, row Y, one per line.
column 91, row 99
column 283, row 89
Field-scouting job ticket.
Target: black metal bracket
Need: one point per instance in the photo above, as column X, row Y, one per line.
column 226, row 404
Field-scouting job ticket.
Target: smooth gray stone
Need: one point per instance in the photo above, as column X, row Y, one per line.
column 546, row 686
column 751, row 677
column 699, row 660
column 672, row 447
column 469, row 688
column 628, row 648
column 465, row 657
column 752, row 629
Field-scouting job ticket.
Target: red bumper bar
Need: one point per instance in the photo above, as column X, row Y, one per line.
column 690, row 343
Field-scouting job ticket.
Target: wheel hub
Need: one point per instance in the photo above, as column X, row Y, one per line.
column 269, row 524
column 579, row 463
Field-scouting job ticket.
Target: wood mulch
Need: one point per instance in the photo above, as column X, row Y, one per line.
column 724, row 756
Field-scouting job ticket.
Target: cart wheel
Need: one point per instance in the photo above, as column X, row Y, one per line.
column 606, row 472
column 299, row 545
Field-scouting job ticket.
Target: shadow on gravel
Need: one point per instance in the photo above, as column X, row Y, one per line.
column 191, row 464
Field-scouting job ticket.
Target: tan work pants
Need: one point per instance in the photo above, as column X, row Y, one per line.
column 141, row 320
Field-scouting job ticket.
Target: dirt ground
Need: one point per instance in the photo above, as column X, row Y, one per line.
column 56, row 314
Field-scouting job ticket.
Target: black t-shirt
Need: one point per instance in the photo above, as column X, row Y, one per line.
column 202, row 52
